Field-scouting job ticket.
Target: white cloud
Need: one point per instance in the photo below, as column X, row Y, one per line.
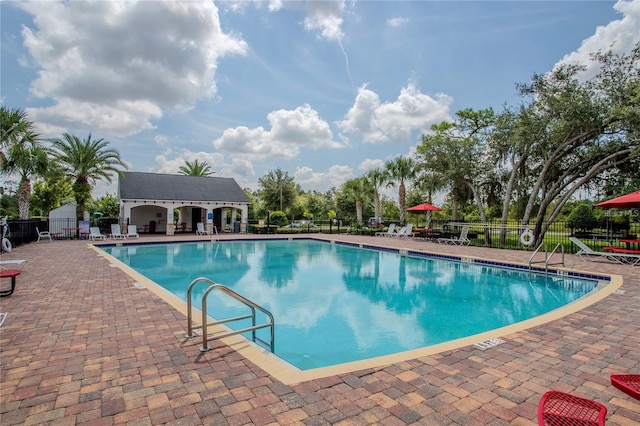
column 371, row 164
column 619, row 35
column 113, row 66
column 325, row 17
column 240, row 168
column 309, row 179
column 397, row 22
column 394, row 121
column 290, row 130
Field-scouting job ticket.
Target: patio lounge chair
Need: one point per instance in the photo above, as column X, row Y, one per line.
column 132, row 231
column 200, row 229
column 559, row 408
column 587, row 253
column 389, row 233
column 115, row 231
column 462, row 240
column 404, row 232
column 43, row 235
column 94, row 234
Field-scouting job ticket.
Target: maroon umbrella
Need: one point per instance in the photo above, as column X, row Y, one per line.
column 425, row 207
column 628, row 201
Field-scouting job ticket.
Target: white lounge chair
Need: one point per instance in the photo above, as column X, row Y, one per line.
column 95, row 234
column 390, row 231
column 115, row 231
column 462, row 240
column 132, row 231
column 43, row 235
column 404, row 232
column 587, row 253
column 200, row 229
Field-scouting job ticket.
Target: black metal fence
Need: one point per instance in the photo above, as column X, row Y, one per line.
column 557, row 233
column 22, row 231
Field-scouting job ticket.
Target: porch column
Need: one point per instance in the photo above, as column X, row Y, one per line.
column 125, row 212
column 209, row 223
column 244, row 218
column 171, row 226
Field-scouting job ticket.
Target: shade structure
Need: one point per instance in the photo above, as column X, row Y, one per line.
column 628, row 201
column 424, row 207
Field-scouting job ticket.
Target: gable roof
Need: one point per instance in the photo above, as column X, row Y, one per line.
column 158, row 186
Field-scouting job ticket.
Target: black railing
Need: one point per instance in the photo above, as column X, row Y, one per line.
column 23, row 231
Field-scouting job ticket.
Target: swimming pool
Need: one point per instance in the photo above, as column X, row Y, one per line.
column 337, row 303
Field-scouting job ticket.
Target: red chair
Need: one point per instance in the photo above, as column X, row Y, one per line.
column 562, row 409
column 627, row 383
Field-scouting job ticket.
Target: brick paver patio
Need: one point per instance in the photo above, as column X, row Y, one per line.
column 82, row 344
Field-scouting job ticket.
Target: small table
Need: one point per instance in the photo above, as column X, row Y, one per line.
column 9, row 273
column 628, row 242
column 70, row 232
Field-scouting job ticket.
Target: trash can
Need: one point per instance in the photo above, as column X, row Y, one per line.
column 236, row 226
column 152, row 226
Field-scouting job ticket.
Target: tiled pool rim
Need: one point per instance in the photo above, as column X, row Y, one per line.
column 288, row 374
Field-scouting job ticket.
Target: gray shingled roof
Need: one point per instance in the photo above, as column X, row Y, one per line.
column 156, row 186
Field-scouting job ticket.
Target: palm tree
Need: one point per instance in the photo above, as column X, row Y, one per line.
column 21, row 153
column 401, row 170
column 85, row 162
column 377, row 178
column 196, row 168
column 357, row 189
column 14, row 124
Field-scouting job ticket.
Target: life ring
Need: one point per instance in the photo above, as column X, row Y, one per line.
column 6, row 245
column 526, row 238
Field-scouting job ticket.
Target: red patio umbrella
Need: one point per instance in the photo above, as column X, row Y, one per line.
column 425, row 207
column 628, row 201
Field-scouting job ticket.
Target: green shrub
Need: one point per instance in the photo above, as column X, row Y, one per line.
column 278, row 218
column 582, row 218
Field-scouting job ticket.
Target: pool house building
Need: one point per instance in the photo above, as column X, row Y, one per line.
column 168, row 204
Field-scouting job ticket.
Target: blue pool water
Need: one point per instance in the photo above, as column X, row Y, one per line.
column 336, row 303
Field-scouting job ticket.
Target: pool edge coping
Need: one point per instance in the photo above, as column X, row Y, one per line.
column 290, row 375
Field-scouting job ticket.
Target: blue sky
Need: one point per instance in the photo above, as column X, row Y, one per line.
column 325, row 90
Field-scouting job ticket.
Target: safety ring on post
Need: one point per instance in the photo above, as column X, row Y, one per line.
column 526, row 238
column 6, row 245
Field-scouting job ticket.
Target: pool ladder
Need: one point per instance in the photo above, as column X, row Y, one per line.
column 204, row 326
column 547, row 256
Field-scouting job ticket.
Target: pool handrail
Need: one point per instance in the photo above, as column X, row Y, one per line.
column 252, row 306
column 547, row 256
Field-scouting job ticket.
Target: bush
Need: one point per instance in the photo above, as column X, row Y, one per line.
column 278, row 218
column 582, row 218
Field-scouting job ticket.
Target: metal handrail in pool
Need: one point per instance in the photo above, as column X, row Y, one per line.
column 252, row 305
column 547, row 256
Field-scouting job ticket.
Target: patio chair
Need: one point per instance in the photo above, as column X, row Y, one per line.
column 43, row 235
column 462, row 240
column 558, row 408
column 95, row 234
column 404, row 232
column 115, row 232
column 132, row 231
column 627, row 383
column 389, row 233
column 587, row 253
column 200, row 229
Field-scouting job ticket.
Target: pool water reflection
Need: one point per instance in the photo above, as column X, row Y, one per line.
column 335, row 303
